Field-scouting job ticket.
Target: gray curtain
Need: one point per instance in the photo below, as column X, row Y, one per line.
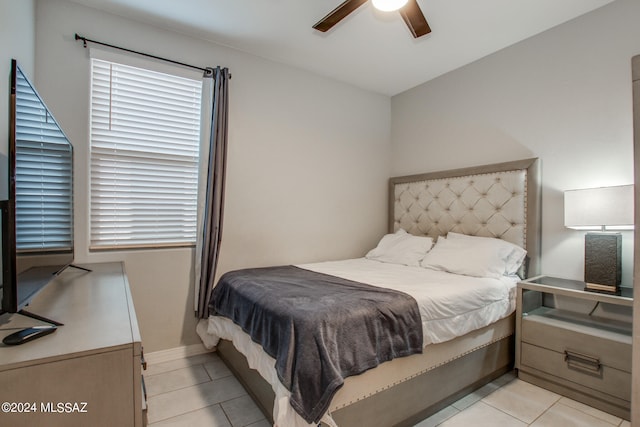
column 214, row 134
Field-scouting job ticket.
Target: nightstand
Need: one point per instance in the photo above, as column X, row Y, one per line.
column 575, row 343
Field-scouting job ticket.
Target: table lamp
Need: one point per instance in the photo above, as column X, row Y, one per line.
column 607, row 210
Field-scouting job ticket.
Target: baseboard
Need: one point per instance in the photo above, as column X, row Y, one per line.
column 175, row 353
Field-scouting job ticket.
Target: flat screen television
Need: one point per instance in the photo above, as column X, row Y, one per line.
column 37, row 218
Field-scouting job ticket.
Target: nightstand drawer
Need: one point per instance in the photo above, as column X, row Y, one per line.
column 611, row 348
column 578, row 368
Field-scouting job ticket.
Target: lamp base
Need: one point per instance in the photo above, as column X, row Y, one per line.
column 602, row 262
column 602, row 289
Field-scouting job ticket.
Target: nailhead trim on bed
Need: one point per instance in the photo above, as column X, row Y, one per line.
column 417, row 374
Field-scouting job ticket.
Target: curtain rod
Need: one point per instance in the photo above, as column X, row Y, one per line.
column 86, row 40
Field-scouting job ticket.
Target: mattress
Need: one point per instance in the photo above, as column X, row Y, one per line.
column 450, row 306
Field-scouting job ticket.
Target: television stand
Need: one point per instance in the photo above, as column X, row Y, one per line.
column 77, row 267
column 80, row 268
column 93, row 362
column 38, row 317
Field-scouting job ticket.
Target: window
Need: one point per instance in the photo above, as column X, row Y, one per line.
column 145, row 130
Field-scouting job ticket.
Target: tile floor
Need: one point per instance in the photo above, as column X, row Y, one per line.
column 200, row 390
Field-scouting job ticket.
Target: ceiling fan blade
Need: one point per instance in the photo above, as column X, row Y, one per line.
column 414, row 18
column 338, row 14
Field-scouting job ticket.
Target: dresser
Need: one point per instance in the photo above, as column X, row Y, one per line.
column 88, row 372
column 575, row 342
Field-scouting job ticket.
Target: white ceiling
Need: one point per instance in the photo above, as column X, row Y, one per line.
column 368, row 49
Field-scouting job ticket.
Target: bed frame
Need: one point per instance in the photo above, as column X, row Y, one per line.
column 499, row 200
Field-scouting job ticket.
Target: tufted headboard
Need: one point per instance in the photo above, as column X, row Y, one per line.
column 500, row 200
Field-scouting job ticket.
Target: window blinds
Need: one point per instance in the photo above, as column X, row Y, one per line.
column 43, row 176
column 145, row 130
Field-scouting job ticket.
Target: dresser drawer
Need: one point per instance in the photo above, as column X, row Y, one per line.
column 581, row 369
column 611, row 348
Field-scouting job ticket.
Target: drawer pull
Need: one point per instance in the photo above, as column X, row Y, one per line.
column 142, row 360
column 582, row 362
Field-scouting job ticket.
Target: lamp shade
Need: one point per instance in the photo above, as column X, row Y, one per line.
column 388, row 5
column 604, row 208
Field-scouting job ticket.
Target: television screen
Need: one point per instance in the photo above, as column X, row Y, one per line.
column 38, row 216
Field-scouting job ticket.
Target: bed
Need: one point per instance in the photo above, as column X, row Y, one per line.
column 500, row 201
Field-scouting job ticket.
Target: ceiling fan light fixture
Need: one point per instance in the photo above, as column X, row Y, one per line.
column 409, row 11
column 388, row 5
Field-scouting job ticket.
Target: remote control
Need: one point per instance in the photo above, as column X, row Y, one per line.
column 28, row 334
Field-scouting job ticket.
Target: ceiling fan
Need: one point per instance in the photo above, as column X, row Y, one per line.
column 410, row 12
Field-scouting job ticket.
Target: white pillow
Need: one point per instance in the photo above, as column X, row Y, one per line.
column 475, row 256
column 514, row 254
column 401, row 248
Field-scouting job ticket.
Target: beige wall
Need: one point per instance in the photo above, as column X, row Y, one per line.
column 307, row 162
column 17, row 41
column 563, row 96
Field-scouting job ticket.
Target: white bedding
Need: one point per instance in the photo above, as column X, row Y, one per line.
column 450, row 306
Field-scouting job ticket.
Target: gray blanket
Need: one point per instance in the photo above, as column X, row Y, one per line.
column 320, row 329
